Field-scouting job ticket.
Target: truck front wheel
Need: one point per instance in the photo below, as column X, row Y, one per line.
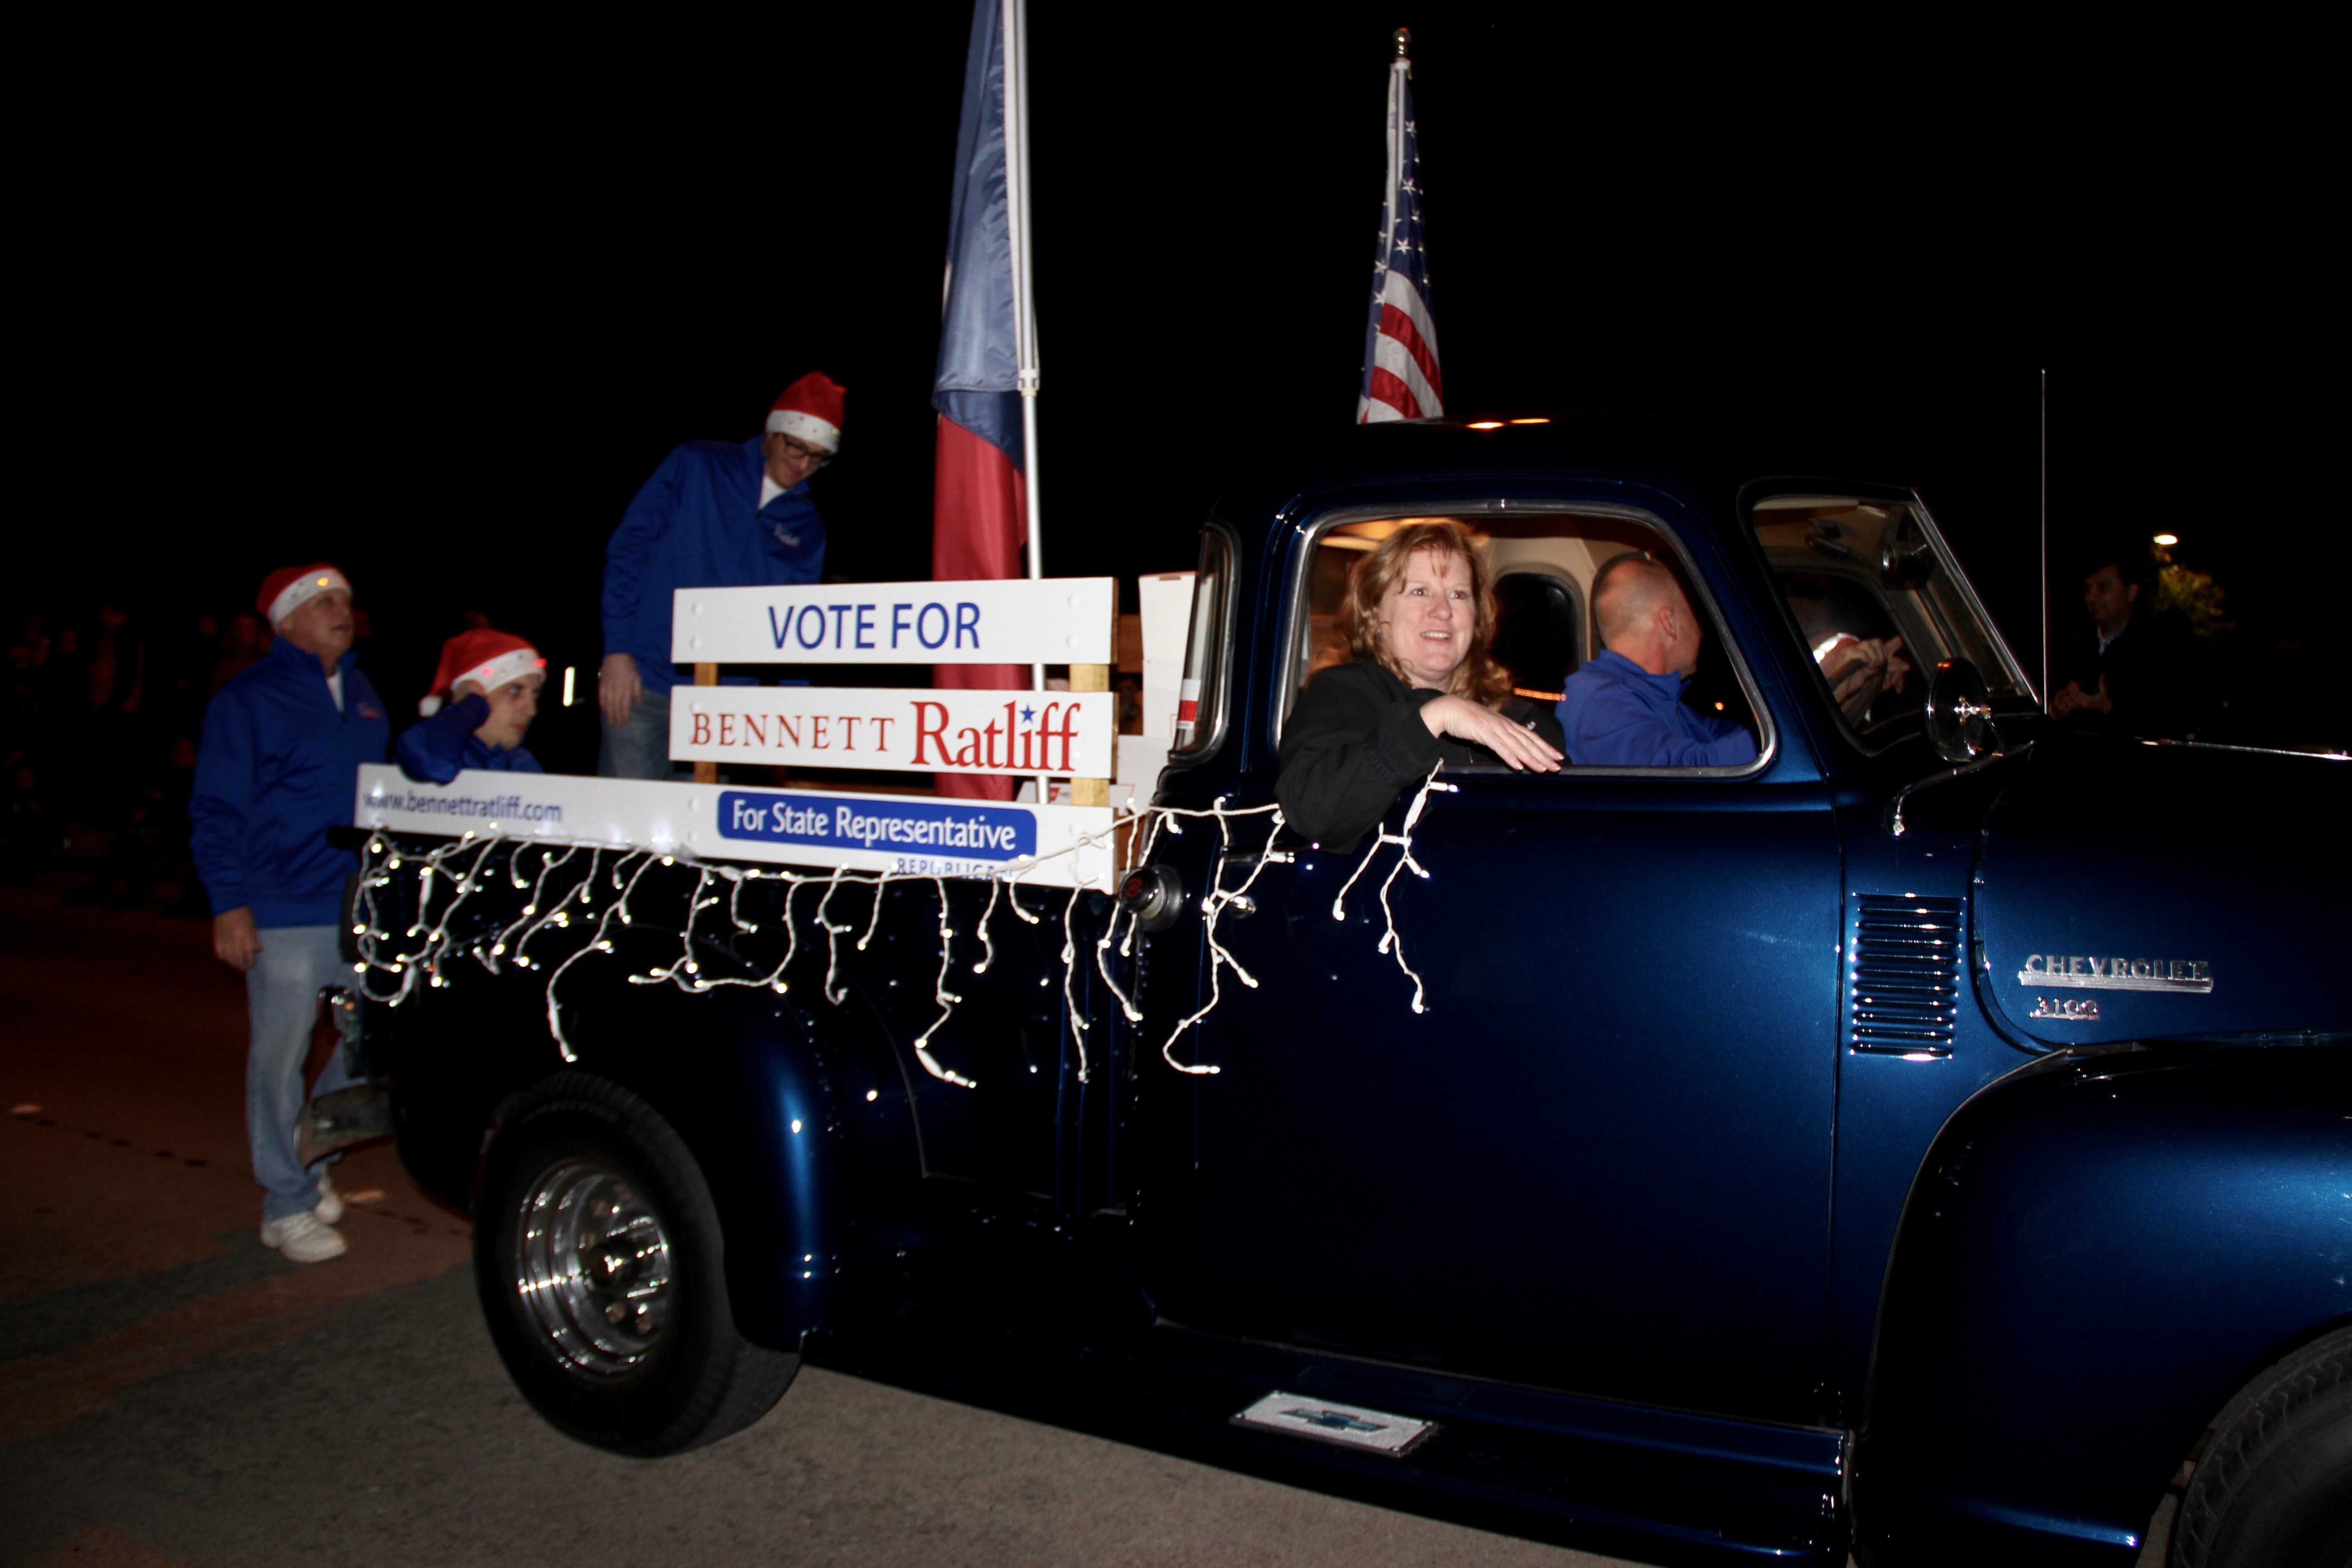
column 2274, row 1487
column 598, row 1255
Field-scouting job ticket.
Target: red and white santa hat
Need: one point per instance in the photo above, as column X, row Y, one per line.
column 287, row 590
column 810, row 410
column 489, row 658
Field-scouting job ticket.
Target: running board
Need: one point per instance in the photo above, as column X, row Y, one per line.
column 1350, row 1426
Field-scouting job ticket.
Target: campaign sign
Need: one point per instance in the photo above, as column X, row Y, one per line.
column 954, row 830
column 911, row 729
column 1044, row 846
column 1057, row 620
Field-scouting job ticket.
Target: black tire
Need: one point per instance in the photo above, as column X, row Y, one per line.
column 599, row 1260
column 2274, row 1487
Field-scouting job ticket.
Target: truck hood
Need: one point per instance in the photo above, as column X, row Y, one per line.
column 2133, row 891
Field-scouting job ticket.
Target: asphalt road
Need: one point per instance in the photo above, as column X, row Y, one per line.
column 171, row 1392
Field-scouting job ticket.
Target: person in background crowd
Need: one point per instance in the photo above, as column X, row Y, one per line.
column 1625, row 708
column 108, row 798
column 276, row 768
column 714, row 515
column 29, row 718
column 149, row 837
column 64, row 700
column 2141, row 677
column 485, row 695
column 29, row 839
column 180, row 666
column 243, row 642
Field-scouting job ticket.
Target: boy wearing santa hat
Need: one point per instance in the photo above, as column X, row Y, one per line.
column 716, row 514
column 485, row 695
column 276, row 768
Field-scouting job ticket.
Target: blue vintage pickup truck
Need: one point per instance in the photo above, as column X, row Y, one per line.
column 1931, row 1140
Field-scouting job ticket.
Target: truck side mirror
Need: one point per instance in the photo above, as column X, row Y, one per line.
column 1960, row 712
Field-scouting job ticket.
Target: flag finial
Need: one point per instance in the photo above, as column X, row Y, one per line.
column 1404, row 37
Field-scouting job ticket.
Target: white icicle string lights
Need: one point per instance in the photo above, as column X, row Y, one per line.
column 946, row 998
column 1392, row 942
column 1212, row 908
column 380, row 953
column 1127, row 1007
column 833, row 935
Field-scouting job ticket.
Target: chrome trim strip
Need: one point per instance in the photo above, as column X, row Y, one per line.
column 2255, row 751
column 1952, row 565
column 2042, row 978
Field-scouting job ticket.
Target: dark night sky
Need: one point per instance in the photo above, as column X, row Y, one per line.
column 435, row 312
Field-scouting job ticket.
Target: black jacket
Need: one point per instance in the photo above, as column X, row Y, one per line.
column 2156, row 677
column 1356, row 740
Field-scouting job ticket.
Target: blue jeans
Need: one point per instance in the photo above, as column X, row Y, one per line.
column 281, row 994
column 640, row 748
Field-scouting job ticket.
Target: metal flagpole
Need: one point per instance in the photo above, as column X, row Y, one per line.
column 2045, row 538
column 1013, row 25
column 1016, row 202
column 1399, row 70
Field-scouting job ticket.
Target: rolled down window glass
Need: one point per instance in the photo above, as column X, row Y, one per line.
column 1200, row 698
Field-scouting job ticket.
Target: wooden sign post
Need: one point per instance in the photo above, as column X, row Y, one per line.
column 706, row 675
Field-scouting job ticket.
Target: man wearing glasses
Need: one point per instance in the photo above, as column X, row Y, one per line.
column 716, row 514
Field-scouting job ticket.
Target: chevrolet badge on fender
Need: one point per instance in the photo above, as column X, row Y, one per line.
column 2185, row 975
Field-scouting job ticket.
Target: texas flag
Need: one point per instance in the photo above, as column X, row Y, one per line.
column 979, row 510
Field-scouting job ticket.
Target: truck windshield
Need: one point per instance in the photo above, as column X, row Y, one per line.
column 1878, row 602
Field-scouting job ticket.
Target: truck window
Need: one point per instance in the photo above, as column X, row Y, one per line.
column 1543, row 565
column 1862, row 577
column 1208, row 661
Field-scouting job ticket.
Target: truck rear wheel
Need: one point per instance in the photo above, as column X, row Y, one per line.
column 598, row 1255
column 2274, row 1487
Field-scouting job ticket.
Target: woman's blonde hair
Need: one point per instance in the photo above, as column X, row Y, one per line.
column 1478, row 676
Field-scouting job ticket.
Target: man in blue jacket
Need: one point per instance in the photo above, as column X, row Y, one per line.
column 485, row 695
column 278, row 766
column 1624, row 709
column 716, row 514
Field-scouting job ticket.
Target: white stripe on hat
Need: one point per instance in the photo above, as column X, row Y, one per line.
column 304, row 589
column 802, row 425
column 509, row 665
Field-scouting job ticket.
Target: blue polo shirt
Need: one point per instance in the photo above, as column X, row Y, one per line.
column 1616, row 714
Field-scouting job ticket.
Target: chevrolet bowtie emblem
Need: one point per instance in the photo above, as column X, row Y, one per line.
column 1335, row 1420
column 2079, row 972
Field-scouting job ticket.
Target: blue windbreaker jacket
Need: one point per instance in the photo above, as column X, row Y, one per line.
column 278, row 766
column 697, row 524
column 444, row 745
column 1616, row 714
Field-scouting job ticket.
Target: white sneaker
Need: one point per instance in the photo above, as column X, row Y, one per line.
column 330, row 1209
column 302, row 1238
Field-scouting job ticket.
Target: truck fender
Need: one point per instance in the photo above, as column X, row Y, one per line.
column 800, row 1122
column 2097, row 1254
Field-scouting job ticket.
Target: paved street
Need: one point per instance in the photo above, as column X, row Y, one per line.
column 173, row 1393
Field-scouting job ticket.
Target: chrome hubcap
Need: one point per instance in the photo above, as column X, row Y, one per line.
column 591, row 1267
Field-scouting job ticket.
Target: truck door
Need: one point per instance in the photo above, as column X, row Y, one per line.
column 1599, row 1157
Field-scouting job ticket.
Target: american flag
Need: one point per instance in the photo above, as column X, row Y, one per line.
column 1401, row 379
